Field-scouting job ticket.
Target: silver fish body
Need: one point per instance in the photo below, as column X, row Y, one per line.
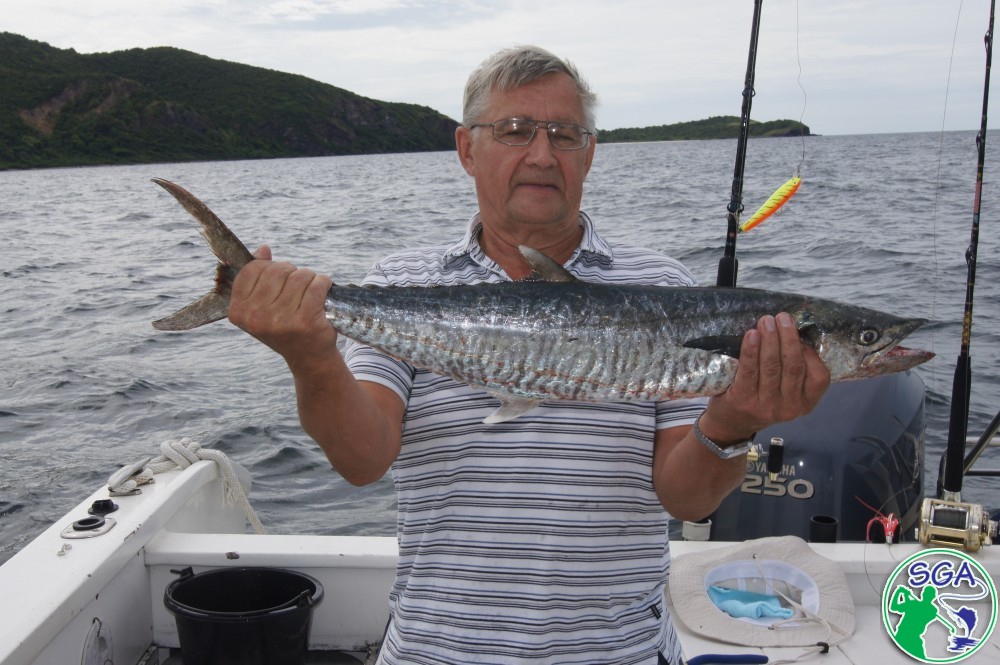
column 580, row 341
column 556, row 338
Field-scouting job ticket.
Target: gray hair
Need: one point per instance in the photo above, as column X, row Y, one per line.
column 511, row 68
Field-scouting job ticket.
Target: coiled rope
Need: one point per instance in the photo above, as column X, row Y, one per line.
column 180, row 454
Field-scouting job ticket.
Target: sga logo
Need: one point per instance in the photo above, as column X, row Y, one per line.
column 939, row 606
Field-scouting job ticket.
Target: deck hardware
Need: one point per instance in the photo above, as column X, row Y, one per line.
column 102, row 507
column 88, row 527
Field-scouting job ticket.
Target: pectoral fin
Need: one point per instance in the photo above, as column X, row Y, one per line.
column 723, row 345
column 510, row 408
column 545, row 269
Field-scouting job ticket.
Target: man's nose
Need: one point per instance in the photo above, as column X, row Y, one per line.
column 540, row 149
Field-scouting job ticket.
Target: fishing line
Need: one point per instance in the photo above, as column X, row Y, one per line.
column 934, row 239
column 805, row 97
column 869, row 574
column 937, row 186
column 781, row 195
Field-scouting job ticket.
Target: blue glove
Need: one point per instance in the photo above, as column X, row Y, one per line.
column 741, row 604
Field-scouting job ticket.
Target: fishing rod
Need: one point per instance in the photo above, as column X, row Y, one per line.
column 947, row 520
column 954, row 464
column 728, row 264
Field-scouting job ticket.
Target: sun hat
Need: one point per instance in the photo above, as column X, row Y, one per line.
column 784, row 567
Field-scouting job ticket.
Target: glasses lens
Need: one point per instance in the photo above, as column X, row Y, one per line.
column 513, row 131
column 567, row 137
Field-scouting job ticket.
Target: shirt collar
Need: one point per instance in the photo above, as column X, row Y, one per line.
column 592, row 243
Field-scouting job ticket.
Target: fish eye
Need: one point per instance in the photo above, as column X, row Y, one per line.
column 868, row 336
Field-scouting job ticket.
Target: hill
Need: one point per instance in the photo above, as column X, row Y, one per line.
column 718, row 127
column 62, row 108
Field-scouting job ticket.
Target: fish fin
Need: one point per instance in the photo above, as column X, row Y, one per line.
column 725, row 345
column 510, row 408
column 206, row 309
column 232, row 255
column 545, row 268
column 810, row 335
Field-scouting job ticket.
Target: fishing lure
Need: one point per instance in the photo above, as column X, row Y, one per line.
column 889, row 523
column 771, row 206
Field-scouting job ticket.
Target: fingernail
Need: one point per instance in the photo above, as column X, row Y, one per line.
column 769, row 323
column 753, row 337
column 785, row 320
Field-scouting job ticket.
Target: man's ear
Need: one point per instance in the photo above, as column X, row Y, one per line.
column 463, row 144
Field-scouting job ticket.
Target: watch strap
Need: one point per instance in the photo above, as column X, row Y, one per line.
column 729, row 452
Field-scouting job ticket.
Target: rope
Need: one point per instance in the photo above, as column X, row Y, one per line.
column 180, row 455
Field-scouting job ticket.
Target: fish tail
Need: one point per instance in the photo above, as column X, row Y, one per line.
column 232, row 255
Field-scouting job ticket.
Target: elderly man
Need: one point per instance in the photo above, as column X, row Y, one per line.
column 542, row 539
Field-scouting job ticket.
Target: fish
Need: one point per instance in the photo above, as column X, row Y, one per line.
column 555, row 337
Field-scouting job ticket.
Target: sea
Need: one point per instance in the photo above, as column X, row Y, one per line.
column 90, row 256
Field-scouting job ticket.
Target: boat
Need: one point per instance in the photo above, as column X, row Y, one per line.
column 94, row 587
column 100, row 599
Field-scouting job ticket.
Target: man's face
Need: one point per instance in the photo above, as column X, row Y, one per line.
column 533, row 186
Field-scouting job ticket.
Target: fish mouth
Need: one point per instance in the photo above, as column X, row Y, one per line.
column 901, row 357
column 894, row 357
column 891, row 360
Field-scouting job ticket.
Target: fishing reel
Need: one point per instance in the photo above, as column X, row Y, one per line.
column 955, row 524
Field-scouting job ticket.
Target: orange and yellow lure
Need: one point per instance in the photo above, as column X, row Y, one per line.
column 771, row 206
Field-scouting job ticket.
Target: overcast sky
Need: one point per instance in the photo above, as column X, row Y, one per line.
column 867, row 66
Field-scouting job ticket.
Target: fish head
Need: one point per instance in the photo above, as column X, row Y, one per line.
column 858, row 343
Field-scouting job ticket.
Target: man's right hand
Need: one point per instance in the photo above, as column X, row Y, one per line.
column 283, row 307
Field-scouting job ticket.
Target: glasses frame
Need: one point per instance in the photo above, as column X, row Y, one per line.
column 549, row 125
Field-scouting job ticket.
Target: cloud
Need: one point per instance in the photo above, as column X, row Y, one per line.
column 865, row 66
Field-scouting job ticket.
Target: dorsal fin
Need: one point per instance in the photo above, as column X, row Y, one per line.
column 545, row 268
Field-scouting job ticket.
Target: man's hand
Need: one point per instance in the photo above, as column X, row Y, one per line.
column 283, row 307
column 778, row 379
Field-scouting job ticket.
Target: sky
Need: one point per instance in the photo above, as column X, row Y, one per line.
column 841, row 66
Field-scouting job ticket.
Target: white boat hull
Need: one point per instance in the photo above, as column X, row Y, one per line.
column 103, row 597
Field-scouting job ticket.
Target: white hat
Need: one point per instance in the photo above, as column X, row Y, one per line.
column 784, row 566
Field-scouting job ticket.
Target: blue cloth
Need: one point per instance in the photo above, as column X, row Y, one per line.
column 741, row 604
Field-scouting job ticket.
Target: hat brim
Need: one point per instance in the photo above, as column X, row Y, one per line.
column 823, row 586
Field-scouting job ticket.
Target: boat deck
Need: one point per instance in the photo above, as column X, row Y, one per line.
column 105, row 594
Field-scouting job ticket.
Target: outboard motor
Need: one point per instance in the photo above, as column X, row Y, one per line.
column 860, row 450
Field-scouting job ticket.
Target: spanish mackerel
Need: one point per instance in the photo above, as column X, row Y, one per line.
column 557, row 338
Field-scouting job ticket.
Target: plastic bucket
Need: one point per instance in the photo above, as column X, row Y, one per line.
column 243, row 616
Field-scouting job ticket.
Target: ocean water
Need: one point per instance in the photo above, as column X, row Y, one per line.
column 92, row 255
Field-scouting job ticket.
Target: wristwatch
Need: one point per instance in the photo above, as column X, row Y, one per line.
column 729, row 452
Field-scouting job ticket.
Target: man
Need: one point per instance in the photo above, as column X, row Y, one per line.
column 542, row 539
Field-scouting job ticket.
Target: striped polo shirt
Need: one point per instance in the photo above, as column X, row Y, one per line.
column 537, row 540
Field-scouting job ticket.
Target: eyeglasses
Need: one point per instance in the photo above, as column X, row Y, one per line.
column 520, row 132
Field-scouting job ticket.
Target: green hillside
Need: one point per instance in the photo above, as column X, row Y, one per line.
column 62, row 108
column 718, row 127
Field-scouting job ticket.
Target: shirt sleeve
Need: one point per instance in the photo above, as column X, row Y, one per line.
column 368, row 364
column 678, row 412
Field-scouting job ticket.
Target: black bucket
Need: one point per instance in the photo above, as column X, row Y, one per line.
column 243, row 616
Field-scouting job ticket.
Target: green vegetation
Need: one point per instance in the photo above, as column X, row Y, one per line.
column 718, row 127
column 62, row 108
